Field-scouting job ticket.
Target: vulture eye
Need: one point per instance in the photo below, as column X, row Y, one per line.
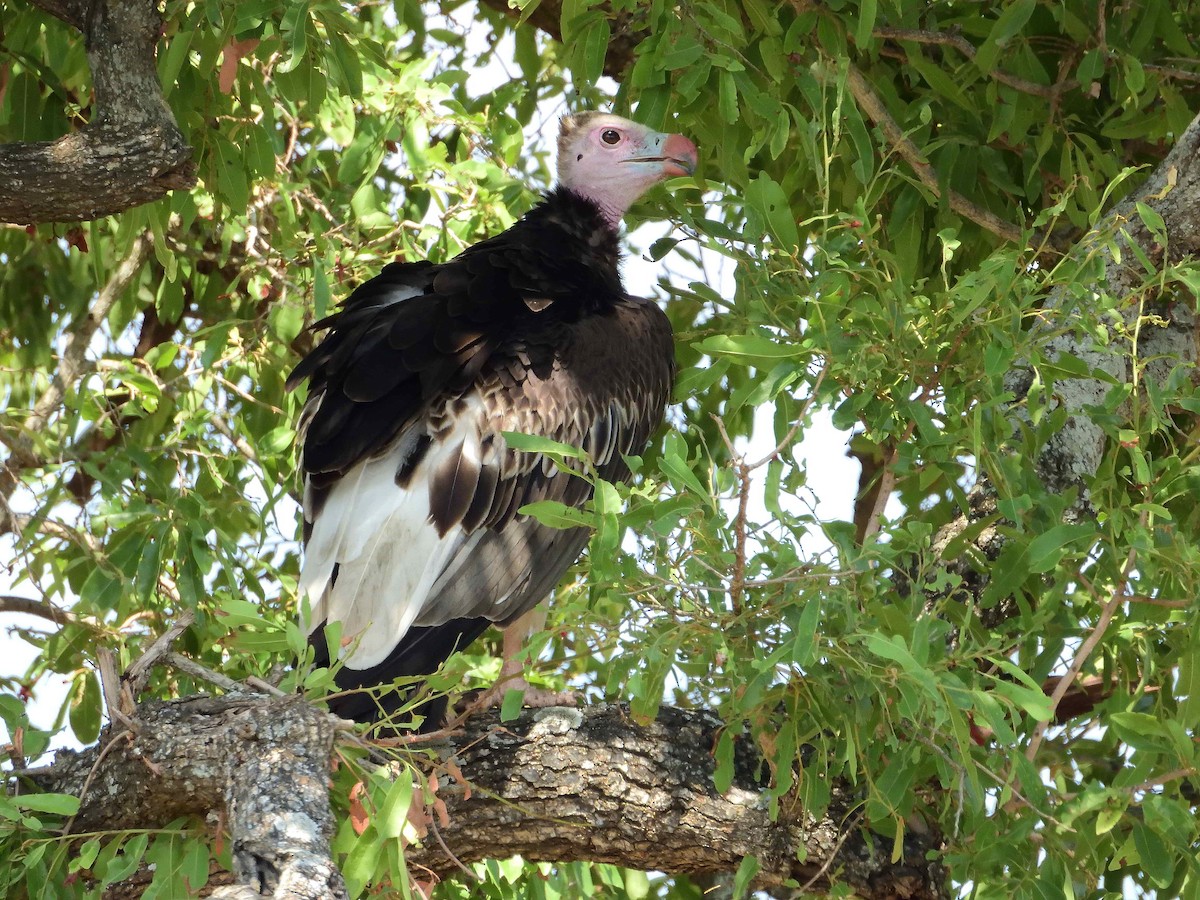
column 610, row 136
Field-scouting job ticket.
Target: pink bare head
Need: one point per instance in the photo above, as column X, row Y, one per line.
column 613, row 161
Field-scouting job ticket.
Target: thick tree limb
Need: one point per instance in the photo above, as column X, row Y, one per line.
column 553, row 785
column 561, row 784
column 547, row 16
column 130, row 153
column 263, row 763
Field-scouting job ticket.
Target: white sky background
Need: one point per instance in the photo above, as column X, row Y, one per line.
column 832, row 476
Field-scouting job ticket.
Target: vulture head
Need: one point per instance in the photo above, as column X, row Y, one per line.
column 613, row 161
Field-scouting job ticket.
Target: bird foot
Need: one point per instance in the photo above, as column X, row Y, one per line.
column 533, row 697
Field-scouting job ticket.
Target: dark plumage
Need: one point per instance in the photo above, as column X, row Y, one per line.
column 413, row 537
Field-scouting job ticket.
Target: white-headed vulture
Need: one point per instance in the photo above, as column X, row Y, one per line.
column 413, row 536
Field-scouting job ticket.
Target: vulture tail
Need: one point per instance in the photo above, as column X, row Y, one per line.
column 420, row 652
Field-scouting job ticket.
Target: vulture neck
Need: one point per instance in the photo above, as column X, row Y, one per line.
column 590, row 238
column 588, row 209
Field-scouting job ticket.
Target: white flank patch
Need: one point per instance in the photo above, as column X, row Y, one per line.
column 387, row 550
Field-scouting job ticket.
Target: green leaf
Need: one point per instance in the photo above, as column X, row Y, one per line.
column 595, row 48
column 1156, row 860
column 675, row 466
column 744, row 877
column 55, row 804
column 1010, row 23
column 804, row 642
column 510, row 706
column 746, row 347
column 1153, row 221
column 723, row 773
column 392, row 814
column 1047, row 549
column 532, row 443
column 557, row 515
column 321, row 296
column 86, row 708
column 117, row 868
column 727, row 103
column 865, row 24
column 766, row 199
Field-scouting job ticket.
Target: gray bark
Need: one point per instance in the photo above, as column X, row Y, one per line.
column 1073, row 456
column 554, row 785
column 130, row 153
column 261, row 763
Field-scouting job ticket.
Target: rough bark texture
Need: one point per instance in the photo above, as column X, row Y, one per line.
column 130, row 153
column 262, row 763
column 558, row 784
column 592, row 784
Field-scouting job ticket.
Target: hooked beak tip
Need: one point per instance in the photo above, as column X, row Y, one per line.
column 681, row 156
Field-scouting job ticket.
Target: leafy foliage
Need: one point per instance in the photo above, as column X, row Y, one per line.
column 330, row 139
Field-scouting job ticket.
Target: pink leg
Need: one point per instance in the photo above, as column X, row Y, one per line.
column 512, row 670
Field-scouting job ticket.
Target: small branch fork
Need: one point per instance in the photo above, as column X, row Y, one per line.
column 743, row 469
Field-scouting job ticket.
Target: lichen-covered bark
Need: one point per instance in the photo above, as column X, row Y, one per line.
column 130, row 153
column 557, row 785
column 593, row 784
column 261, row 762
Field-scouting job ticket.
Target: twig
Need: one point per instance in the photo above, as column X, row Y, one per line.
column 790, row 436
column 193, row 668
column 123, row 736
column 40, row 608
column 1170, row 72
column 887, row 483
column 737, row 581
column 114, row 691
column 1160, row 780
column 857, row 817
column 876, row 111
column 963, row 46
column 433, row 826
column 135, row 675
column 244, row 448
column 1085, row 649
column 264, row 686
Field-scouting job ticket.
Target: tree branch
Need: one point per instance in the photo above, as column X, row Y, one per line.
column 70, row 368
column 875, row 110
column 1073, row 456
column 547, row 17
column 563, row 784
column 263, row 762
column 947, row 39
column 73, row 12
column 130, row 153
column 559, row 785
